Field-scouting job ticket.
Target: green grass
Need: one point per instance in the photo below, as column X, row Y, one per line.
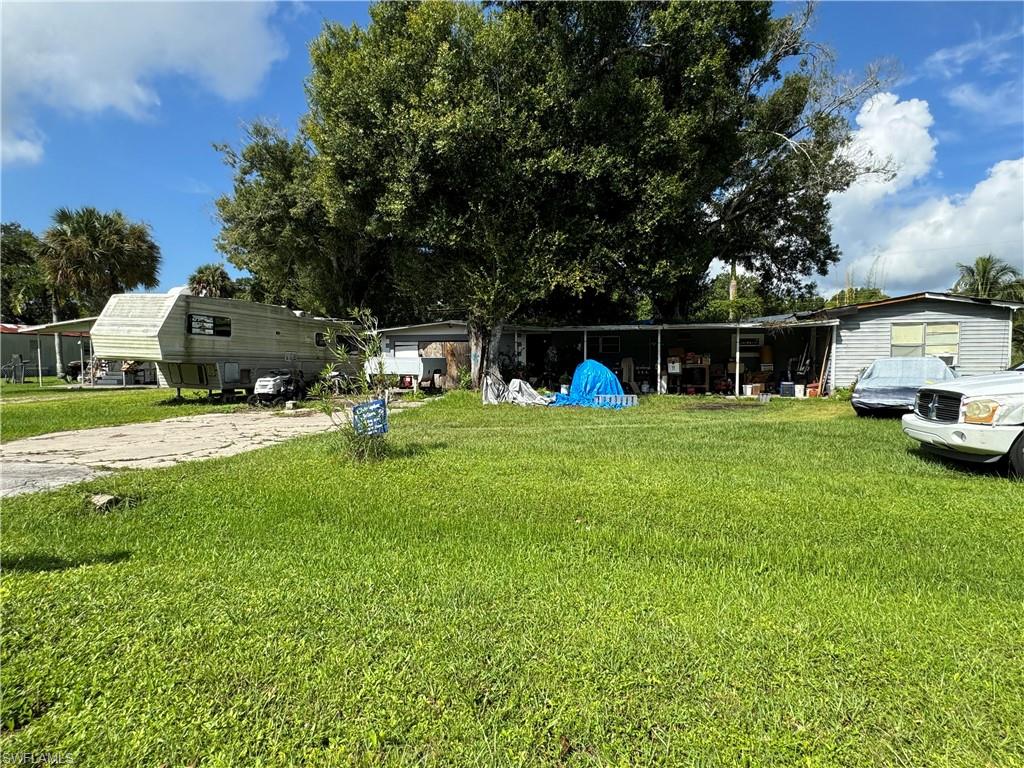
column 57, row 410
column 51, row 385
column 766, row 586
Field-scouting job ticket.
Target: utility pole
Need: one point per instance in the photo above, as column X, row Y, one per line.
column 733, row 290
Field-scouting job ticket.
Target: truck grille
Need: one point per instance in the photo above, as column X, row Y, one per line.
column 937, row 406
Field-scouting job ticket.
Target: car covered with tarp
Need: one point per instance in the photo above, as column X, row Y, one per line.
column 891, row 383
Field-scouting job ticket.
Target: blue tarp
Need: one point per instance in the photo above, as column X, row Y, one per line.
column 590, row 378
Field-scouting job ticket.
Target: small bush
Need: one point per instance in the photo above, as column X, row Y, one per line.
column 362, row 448
column 843, row 393
column 465, row 378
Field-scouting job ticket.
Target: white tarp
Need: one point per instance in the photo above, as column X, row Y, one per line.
column 516, row 391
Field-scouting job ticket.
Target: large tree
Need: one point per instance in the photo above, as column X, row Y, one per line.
column 87, row 255
column 508, row 154
column 431, row 136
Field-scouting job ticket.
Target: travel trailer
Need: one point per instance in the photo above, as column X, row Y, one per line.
column 215, row 344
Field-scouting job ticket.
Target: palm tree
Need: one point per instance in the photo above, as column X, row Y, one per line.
column 88, row 255
column 211, row 280
column 990, row 277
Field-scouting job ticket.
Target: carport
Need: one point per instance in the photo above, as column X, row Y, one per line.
column 81, row 327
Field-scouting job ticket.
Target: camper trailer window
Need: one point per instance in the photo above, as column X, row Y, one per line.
column 209, row 325
column 320, row 339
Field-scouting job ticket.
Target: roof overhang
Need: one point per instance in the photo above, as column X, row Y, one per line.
column 742, row 325
column 439, row 324
column 81, row 325
column 927, row 296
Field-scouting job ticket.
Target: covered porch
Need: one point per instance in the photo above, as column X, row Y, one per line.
column 750, row 357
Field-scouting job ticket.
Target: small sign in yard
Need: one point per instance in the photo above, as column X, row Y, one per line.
column 370, row 418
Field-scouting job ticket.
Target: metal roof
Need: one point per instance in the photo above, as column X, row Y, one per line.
column 928, row 295
column 757, row 323
column 449, row 323
column 82, row 325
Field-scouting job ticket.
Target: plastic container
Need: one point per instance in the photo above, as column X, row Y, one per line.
column 800, row 391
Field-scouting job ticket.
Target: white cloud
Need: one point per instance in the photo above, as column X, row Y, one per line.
column 916, row 245
column 994, row 52
column 26, row 147
column 1003, row 106
column 92, row 57
column 923, row 250
column 893, row 131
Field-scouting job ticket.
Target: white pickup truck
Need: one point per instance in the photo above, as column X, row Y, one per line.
column 976, row 418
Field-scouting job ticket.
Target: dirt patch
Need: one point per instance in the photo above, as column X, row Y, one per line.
column 723, row 406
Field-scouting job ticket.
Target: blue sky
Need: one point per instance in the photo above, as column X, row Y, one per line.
column 117, row 106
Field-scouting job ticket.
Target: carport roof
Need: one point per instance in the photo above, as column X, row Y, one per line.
column 81, row 325
column 781, row 321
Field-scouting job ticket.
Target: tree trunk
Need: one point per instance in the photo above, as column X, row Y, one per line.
column 56, row 337
column 484, row 341
column 479, row 340
column 491, row 363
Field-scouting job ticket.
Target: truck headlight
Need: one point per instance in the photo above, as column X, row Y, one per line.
column 980, row 411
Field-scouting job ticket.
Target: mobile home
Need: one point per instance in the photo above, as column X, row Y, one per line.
column 211, row 343
column 829, row 346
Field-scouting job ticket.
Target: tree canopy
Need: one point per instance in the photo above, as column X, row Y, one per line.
column 512, row 160
column 989, row 277
column 275, row 226
column 23, row 293
column 88, row 255
column 211, row 280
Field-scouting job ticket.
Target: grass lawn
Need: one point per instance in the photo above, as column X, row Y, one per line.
column 766, row 586
column 51, row 385
column 27, row 412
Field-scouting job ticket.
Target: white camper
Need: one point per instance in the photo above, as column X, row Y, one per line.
column 212, row 343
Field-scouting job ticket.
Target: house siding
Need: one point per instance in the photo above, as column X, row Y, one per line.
column 865, row 337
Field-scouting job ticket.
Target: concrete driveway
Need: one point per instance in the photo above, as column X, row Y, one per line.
column 50, row 461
